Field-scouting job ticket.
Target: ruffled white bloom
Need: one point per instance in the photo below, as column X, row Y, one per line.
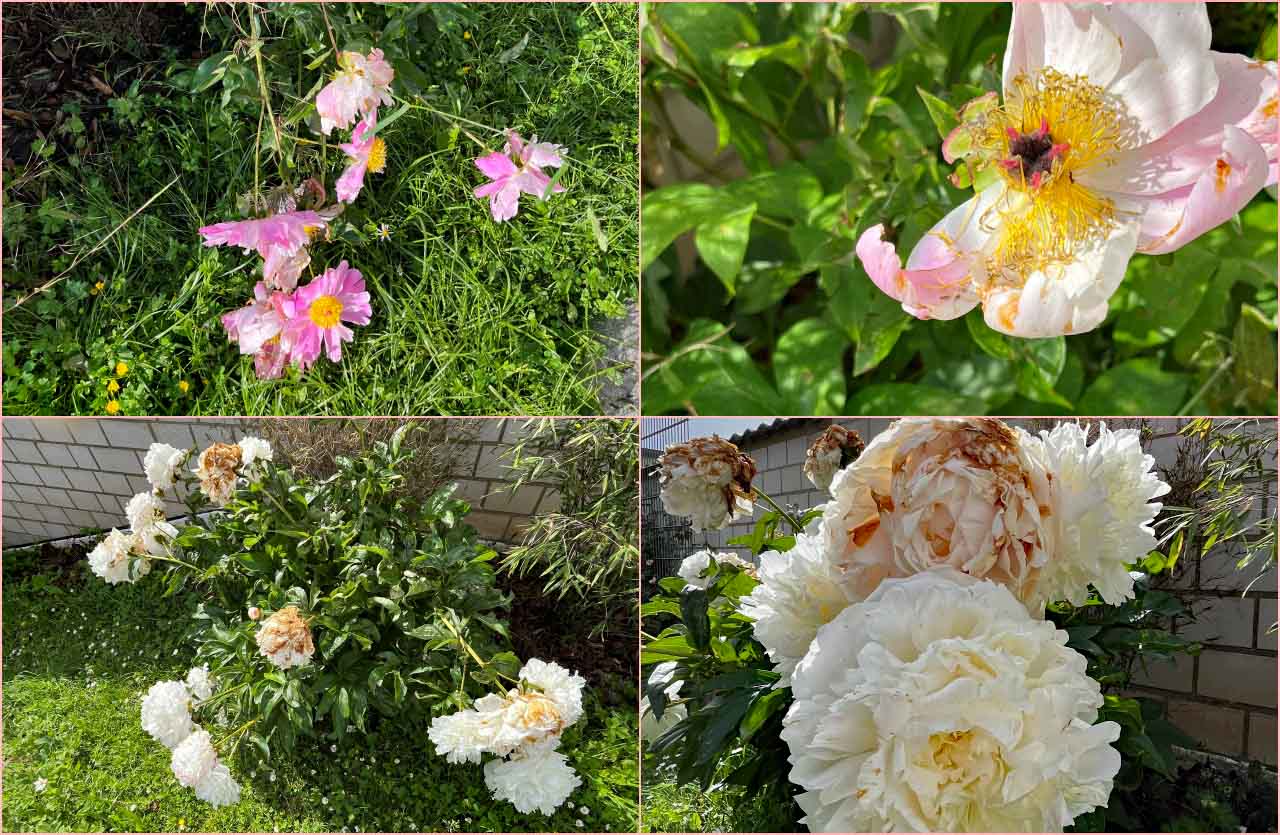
column 112, row 559
column 799, row 591
column 696, row 564
column 834, row 449
column 463, row 736
column 709, row 481
column 193, row 758
column 928, row 492
column 557, row 684
column 199, row 683
column 940, row 705
column 1102, row 510
column 166, row 713
column 285, row 639
column 146, row 517
column 652, row 727
column 253, row 450
column 538, row 778
column 218, row 788
column 161, row 464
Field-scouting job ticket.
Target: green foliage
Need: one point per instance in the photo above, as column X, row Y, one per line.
column 835, row 113
column 470, row 316
column 399, row 597
column 587, row 550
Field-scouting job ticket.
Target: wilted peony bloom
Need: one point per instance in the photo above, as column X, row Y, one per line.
column 285, row 639
column 113, row 558
column 834, row 450
column 216, row 468
column 1102, row 499
column 1120, row 131
column 283, row 235
column 929, row 492
column 799, row 591
column 708, row 480
column 367, row 153
column 940, row 705
column 517, row 169
column 161, row 464
column 537, row 779
column 146, row 518
column 321, row 307
column 253, row 450
column 282, row 269
column 199, row 684
column 193, row 758
column 259, row 322
column 218, row 788
column 360, row 86
column 166, row 713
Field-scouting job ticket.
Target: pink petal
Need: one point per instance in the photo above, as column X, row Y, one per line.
column 545, row 154
column 348, row 186
column 504, row 204
column 534, row 182
column 491, row 187
column 496, row 165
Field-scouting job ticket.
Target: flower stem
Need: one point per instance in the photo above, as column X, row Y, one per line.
column 796, row 527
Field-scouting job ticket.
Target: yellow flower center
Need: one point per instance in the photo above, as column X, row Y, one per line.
column 1051, row 127
column 377, row 155
column 325, row 311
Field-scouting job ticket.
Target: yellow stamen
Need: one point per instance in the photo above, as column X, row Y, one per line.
column 325, row 311
column 377, row 155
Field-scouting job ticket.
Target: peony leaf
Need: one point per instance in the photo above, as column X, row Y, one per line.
column 808, row 367
column 722, row 243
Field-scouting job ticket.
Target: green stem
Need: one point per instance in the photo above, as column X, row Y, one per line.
column 796, row 527
column 463, row 643
column 176, row 561
column 242, row 730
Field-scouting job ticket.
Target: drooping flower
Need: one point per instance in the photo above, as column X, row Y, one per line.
column 218, row 788
column 708, row 480
column 252, row 450
column 285, row 639
column 367, row 153
column 193, row 758
column 651, row 727
column 940, row 704
column 360, row 86
column 281, row 270
column 799, row 591
column 834, row 450
column 216, row 468
column 161, row 464
column 563, row 688
column 694, row 567
column 538, row 778
column 259, row 322
column 147, row 521
column 113, row 559
column 1120, row 131
column 166, row 713
column 320, row 308
column 1102, row 499
column 930, row 492
column 199, row 683
column 518, row 168
column 282, row 235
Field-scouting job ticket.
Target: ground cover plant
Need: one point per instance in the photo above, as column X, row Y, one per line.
column 793, row 690
column 326, row 644
column 175, row 119
column 795, row 157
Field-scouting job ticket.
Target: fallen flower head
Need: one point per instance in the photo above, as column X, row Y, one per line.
column 1120, row 131
column 367, row 153
column 361, row 85
column 517, row 169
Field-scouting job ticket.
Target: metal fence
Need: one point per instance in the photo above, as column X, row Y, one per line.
column 666, row 539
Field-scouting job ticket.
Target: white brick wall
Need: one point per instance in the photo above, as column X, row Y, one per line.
column 69, row 476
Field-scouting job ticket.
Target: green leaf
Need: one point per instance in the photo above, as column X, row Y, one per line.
column 670, row 648
column 808, row 365
column 765, row 705
column 898, row 399
column 992, row 342
column 1158, row 313
column 723, row 242
column 1254, row 350
column 668, row 213
column 1135, row 387
column 869, row 317
column 206, row 75
column 1040, row 363
column 943, row 115
column 712, row 373
column 693, row 613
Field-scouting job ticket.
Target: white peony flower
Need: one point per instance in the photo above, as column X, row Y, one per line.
column 285, row 639
column 146, row 518
column 940, row 704
column 708, row 480
column 696, row 564
column 799, row 591
column 218, row 787
column 463, row 736
column 193, row 758
column 928, row 492
column 166, row 713
column 252, row 450
column 200, row 685
column 652, row 727
column 557, row 684
column 834, row 449
column 1102, row 512
column 536, row 779
column 161, row 464
column 112, row 559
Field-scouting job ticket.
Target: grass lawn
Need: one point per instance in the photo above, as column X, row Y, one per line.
column 470, row 316
column 79, row 655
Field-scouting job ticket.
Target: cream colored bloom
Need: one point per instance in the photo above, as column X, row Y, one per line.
column 709, row 481
column 538, row 778
column 161, row 464
column 940, row 705
column 146, row 518
column 218, row 788
column 216, row 468
column 285, row 639
column 193, row 758
column 834, row 449
column 113, row 558
column 693, row 567
column 253, row 450
column 166, row 713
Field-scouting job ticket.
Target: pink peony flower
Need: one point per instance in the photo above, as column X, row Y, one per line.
column 271, row 359
column 1120, row 132
column 282, row 271
column 283, row 234
column 319, row 309
column 366, row 153
column 360, row 85
column 253, row 325
column 517, row 169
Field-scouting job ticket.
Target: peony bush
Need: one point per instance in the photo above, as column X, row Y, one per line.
column 934, row 648
column 329, row 605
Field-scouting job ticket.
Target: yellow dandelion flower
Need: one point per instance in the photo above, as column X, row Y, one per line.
column 184, row 386
column 122, row 368
column 113, row 387
column 113, row 407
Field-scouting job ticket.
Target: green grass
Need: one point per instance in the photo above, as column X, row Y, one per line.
column 78, row 657
column 671, row 807
column 470, row 316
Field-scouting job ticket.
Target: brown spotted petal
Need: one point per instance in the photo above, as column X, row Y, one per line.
column 708, row 480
